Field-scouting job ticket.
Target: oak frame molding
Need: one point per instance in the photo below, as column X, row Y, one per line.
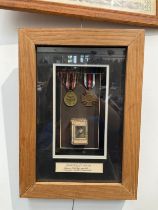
column 134, row 41
column 82, row 12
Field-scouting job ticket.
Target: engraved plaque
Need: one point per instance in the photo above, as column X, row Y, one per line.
column 79, row 167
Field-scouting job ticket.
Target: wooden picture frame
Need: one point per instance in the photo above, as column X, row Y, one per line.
column 85, row 12
column 28, row 40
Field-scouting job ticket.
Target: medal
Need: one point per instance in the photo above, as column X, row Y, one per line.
column 89, row 98
column 70, row 98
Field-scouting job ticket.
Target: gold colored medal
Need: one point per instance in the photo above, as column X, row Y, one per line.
column 89, row 99
column 70, row 98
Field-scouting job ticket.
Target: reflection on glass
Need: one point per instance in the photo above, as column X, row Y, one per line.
column 72, row 92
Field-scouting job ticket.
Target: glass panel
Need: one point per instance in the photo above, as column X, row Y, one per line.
column 80, row 103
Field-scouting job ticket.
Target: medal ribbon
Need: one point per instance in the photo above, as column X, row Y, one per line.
column 89, row 80
column 71, row 80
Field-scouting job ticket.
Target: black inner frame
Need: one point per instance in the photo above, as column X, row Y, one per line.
column 115, row 57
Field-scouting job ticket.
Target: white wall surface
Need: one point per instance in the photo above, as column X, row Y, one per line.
column 9, row 176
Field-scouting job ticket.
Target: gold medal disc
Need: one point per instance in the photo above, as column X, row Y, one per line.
column 70, row 98
column 89, row 98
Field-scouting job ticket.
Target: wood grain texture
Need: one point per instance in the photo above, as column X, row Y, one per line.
column 27, row 111
column 28, row 39
column 78, row 191
column 81, row 12
column 132, row 113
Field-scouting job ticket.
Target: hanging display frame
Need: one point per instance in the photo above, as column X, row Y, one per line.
column 30, row 186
